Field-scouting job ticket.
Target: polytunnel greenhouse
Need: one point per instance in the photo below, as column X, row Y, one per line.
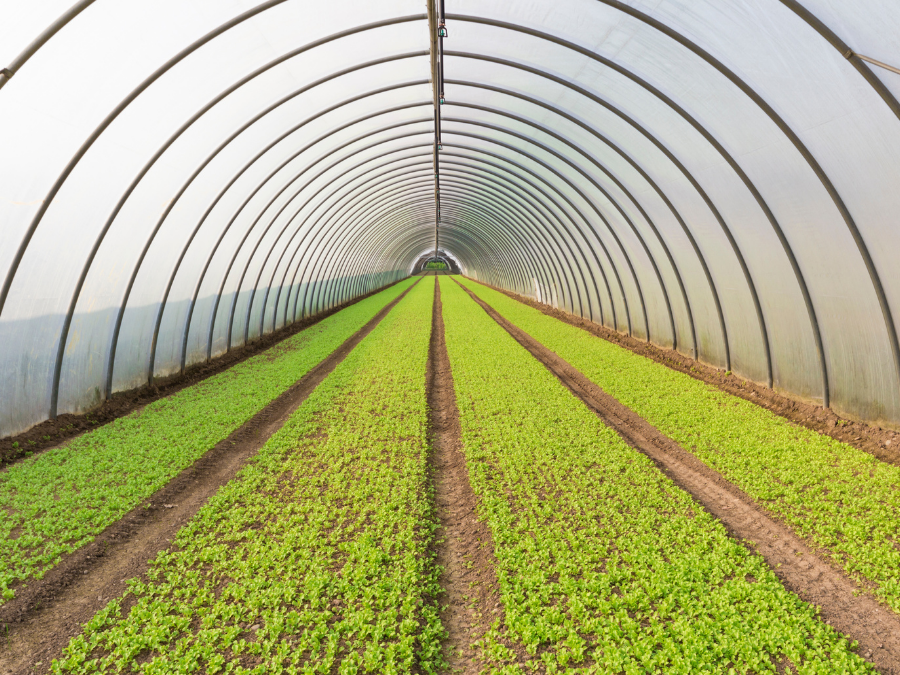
column 456, row 336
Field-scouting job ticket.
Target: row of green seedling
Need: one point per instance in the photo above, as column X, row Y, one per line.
column 317, row 557
column 841, row 500
column 57, row 501
column 604, row 565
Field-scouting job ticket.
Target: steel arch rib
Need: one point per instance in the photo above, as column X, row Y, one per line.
column 590, row 202
column 231, row 221
column 297, row 193
column 422, row 232
column 613, row 202
column 637, row 167
column 143, row 172
column 314, row 196
column 135, row 93
column 479, row 166
column 254, row 289
column 494, row 165
column 286, row 246
column 361, row 229
column 395, row 57
column 328, row 300
column 460, row 236
column 424, row 229
column 774, row 117
column 351, row 253
column 193, row 119
column 549, row 249
column 265, row 260
column 277, row 265
column 197, row 228
column 7, row 74
column 564, row 199
column 330, row 289
column 318, row 175
column 326, row 243
column 485, row 224
column 794, row 6
column 280, row 286
column 694, row 183
column 669, row 155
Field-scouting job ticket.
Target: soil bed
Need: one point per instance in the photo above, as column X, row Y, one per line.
column 45, row 615
column 50, row 433
column 465, row 548
column 882, row 443
column 861, row 617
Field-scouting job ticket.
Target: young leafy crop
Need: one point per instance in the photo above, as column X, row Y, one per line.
column 841, row 500
column 59, row 500
column 316, row 557
column 605, row 566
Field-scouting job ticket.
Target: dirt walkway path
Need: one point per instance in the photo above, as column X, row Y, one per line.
column 861, row 617
column 45, row 615
column 465, row 547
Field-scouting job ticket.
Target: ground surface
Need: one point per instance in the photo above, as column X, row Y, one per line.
column 465, row 545
column 46, row 615
column 484, row 613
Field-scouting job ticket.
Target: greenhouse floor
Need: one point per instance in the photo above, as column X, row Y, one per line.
column 443, row 479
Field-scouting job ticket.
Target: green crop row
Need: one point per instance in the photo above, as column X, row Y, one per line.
column 316, row 557
column 55, row 502
column 605, row 565
column 843, row 501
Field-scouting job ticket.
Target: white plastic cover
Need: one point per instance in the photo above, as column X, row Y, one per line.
column 718, row 176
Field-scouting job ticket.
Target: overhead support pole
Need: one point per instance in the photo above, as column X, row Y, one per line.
column 438, row 33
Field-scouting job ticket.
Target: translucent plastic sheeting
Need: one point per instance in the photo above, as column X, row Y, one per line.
column 181, row 178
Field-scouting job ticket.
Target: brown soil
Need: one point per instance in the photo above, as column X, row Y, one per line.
column 50, row 433
column 841, row 603
column 882, row 443
column 45, row 615
column 465, row 548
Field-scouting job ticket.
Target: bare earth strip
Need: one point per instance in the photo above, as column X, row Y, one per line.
column 465, row 548
column 882, row 443
column 44, row 616
column 841, row 602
